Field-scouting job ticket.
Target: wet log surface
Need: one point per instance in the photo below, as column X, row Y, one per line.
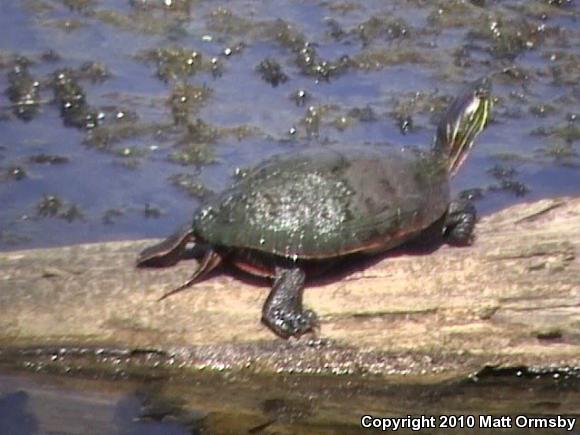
column 511, row 299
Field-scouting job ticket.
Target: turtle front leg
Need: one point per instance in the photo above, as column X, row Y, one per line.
column 282, row 311
column 459, row 223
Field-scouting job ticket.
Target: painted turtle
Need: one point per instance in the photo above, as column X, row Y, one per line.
column 295, row 212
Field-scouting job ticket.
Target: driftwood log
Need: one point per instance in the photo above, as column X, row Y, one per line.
column 511, row 299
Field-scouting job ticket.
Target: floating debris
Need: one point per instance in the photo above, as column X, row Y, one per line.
column 23, row 91
column 381, row 27
column 17, row 173
column 150, row 211
column 48, row 159
column 53, row 206
column 185, row 99
column 71, row 100
column 300, row 97
column 271, row 72
column 190, row 184
column 506, row 182
column 474, row 194
column 306, row 56
column 195, row 147
column 111, row 215
column 176, row 63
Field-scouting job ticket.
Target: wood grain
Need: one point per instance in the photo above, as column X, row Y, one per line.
column 513, row 298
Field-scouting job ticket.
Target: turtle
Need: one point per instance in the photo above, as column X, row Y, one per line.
column 298, row 212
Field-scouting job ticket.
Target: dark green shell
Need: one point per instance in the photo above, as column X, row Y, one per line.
column 328, row 202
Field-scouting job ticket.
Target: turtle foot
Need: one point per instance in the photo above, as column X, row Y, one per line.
column 291, row 323
column 283, row 312
column 460, row 223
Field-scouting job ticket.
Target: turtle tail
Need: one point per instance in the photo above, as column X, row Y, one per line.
column 465, row 118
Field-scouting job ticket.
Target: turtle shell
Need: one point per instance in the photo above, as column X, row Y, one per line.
column 328, row 202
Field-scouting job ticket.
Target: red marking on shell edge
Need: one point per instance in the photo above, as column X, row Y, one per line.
column 254, row 269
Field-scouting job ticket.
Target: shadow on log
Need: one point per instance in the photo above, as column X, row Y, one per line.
column 511, row 299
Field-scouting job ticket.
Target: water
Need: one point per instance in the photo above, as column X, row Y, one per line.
column 234, row 403
column 122, row 188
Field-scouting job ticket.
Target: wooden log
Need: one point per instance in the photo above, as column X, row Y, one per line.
column 513, row 298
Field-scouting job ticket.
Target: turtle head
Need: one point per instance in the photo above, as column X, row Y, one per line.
column 465, row 118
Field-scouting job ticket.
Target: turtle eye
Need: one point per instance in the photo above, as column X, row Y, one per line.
column 483, row 88
column 482, row 93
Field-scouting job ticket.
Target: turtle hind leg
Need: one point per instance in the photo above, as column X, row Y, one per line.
column 459, row 223
column 167, row 252
column 283, row 312
column 210, row 261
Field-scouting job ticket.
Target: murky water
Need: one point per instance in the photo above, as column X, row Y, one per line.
column 159, row 102
column 235, row 403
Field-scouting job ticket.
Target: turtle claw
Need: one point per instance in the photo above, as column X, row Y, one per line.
column 292, row 323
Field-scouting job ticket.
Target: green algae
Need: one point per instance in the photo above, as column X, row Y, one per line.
column 54, row 206
column 185, row 100
column 190, row 184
